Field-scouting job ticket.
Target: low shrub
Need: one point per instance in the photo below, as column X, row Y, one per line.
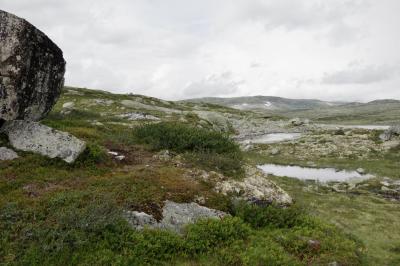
column 205, row 235
column 92, row 155
column 209, row 149
column 180, row 137
column 270, row 216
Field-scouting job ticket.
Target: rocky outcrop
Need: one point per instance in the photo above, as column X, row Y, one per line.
column 34, row 137
column 255, row 188
column 31, row 70
column 175, row 216
column 218, row 121
column 389, row 133
column 7, row 154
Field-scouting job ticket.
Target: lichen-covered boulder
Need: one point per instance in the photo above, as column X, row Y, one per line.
column 32, row 70
column 38, row 138
column 175, row 216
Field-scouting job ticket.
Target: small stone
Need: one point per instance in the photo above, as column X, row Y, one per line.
column 140, row 220
column 7, row 154
column 314, row 244
column 68, row 105
column 361, row 171
column 274, row 151
column 120, row 157
column 296, row 122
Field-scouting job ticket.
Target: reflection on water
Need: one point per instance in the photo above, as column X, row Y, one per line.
column 274, row 137
column 318, row 174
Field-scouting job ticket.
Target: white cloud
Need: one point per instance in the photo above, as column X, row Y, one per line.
column 356, row 74
column 179, row 49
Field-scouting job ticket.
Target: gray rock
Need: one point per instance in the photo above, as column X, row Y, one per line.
column 175, row 216
column 38, row 138
column 255, row 188
column 217, row 120
column 361, row 171
column 274, row 151
column 142, row 106
column 31, row 70
column 138, row 116
column 296, row 122
column 140, row 220
column 7, row 154
column 69, row 105
column 385, row 136
column 389, row 133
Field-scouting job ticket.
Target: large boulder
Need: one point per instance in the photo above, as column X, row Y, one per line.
column 38, row 138
column 31, row 70
column 175, row 216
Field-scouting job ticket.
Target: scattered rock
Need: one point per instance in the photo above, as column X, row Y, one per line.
column 96, row 123
column 163, row 155
column 255, row 188
column 7, row 154
column 103, row 102
column 217, row 120
column 296, row 122
column 200, row 200
column 274, row 151
column 67, row 108
column 116, row 155
column 38, row 138
column 361, row 171
column 140, row 220
column 139, row 105
column 138, row 116
column 314, row 245
column 175, row 216
column 68, row 105
column 389, row 133
column 31, row 70
column 385, row 136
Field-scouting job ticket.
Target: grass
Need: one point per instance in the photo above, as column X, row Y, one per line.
column 53, row 213
column 79, row 228
column 209, row 149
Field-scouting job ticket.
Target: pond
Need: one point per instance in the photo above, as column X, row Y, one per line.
column 317, row 174
column 366, row 127
column 273, row 138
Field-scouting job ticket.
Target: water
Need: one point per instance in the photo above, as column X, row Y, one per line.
column 367, row 127
column 318, row 174
column 274, row 137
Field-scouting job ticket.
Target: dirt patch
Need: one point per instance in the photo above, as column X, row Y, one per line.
column 134, row 154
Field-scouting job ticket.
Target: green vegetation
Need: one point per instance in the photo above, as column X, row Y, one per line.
column 72, row 228
column 53, row 213
column 209, row 149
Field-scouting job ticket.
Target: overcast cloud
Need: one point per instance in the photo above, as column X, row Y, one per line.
column 175, row 49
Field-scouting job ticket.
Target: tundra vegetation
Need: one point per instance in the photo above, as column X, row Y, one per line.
column 54, row 213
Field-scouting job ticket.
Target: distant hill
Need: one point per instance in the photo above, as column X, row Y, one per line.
column 267, row 103
column 385, row 111
column 377, row 112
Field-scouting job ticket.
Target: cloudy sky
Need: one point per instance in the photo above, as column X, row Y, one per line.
column 175, row 49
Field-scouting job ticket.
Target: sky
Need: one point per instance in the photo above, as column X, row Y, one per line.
column 177, row 49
